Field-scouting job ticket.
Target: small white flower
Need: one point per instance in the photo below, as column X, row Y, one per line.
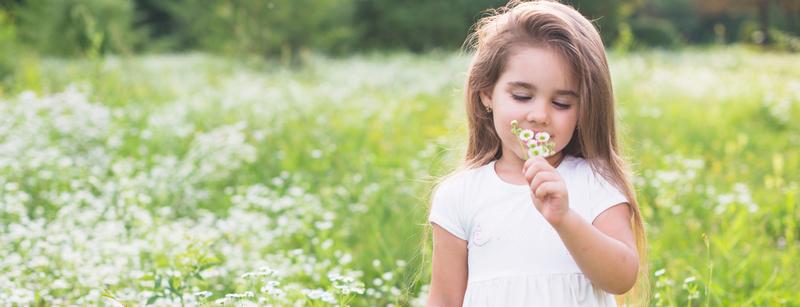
column 526, row 135
column 536, row 151
column 326, row 244
column 542, row 136
column 660, row 272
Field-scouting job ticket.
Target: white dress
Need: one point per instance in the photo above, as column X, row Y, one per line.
column 515, row 258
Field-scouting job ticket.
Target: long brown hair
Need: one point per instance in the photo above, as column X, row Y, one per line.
column 563, row 29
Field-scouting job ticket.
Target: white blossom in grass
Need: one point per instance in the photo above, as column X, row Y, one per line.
column 319, row 294
column 326, row 244
column 202, row 294
column 346, row 289
column 346, row 284
column 347, row 258
column 323, row 225
column 271, row 288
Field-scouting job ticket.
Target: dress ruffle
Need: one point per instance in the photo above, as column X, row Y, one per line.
column 536, row 290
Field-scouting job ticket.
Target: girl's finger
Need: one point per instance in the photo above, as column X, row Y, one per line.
column 541, row 178
column 530, row 162
column 536, row 167
column 547, row 188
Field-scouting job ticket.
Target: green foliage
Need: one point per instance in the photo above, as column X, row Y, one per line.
column 8, row 48
column 785, row 41
column 418, row 24
column 290, row 29
column 654, row 32
column 179, row 177
column 78, row 27
column 281, row 27
column 607, row 15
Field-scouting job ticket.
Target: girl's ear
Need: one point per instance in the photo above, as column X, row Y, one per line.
column 486, row 99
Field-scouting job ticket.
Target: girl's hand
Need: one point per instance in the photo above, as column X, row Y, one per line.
column 548, row 190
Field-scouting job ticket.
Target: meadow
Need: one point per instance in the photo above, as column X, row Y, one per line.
column 193, row 179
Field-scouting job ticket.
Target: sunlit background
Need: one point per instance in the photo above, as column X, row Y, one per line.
column 203, row 152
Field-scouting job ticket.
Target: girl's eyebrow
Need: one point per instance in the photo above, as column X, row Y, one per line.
column 533, row 88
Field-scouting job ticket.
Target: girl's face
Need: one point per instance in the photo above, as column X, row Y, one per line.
column 538, row 90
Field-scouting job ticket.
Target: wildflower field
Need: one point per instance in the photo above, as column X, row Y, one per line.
column 199, row 180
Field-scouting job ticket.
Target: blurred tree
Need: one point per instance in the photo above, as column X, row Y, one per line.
column 791, row 11
column 8, row 46
column 700, row 21
column 77, row 27
column 262, row 27
column 287, row 27
column 161, row 26
column 417, row 25
column 736, row 13
column 608, row 15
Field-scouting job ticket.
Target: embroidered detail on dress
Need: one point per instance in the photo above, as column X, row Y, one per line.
column 479, row 238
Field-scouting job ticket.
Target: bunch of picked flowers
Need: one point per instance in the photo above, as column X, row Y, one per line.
column 533, row 143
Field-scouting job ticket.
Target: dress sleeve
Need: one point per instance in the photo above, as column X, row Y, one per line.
column 605, row 195
column 447, row 208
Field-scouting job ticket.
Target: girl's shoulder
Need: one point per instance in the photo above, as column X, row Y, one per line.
column 578, row 168
column 573, row 165
column 590, row 192
column 461, row 177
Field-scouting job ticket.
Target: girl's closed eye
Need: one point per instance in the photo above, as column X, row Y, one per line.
column 558, row 104
column 520, row 97
column 561, row 105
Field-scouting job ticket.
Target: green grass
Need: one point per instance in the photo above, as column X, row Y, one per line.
column 153, row 178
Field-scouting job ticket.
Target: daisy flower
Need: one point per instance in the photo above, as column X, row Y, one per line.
column 526, row 135
column 533, row 143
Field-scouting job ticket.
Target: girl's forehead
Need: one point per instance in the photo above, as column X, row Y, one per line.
column 541, row 68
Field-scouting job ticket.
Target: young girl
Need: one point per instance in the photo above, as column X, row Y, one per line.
column 564, row 230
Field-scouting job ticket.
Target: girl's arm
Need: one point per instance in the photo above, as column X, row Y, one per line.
column 605, row 251
column 449, row 273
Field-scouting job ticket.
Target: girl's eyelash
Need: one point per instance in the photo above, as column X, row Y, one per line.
column 520, row 98
column 562, row 106
column 559, row 105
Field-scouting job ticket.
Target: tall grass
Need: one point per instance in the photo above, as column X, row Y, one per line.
column 190, row 179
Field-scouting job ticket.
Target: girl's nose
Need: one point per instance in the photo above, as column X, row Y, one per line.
column 538, row 113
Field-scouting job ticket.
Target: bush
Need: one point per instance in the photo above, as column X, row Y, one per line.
column 417, row 25
column 655, row 32
column 784, row 40
column 8, row 47
column 261, row 27
column 78, row 27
